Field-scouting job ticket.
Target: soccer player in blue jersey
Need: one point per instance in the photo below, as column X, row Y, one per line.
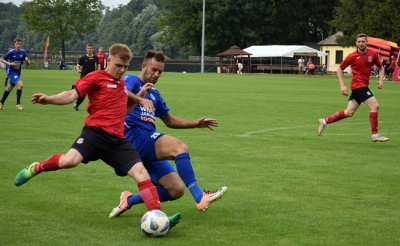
column 14, row 59
column 156, row 148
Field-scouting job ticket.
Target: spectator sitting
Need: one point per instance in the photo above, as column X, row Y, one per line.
column 62, row 65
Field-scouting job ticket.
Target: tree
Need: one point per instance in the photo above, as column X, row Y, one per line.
column 374, row 18
column 245, row 23
column 62, row 19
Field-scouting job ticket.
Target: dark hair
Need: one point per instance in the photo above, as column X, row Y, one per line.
column 17, row 39
column 158, row 56
column 89, row 44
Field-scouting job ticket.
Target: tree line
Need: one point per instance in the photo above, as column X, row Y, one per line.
column 175, row 26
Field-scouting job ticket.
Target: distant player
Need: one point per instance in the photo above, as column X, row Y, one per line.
column 87, row 63
column 102, row 58
column 361, row 62
column 14, row 59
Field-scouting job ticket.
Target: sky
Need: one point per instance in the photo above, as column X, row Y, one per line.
column 109, row 3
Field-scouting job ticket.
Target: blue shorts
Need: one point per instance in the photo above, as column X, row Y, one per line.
column 144, row 144
column 14, row 78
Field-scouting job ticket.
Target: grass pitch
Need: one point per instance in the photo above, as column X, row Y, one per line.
column 287, row 186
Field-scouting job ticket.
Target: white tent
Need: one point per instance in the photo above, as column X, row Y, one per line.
column 283, row 51
column 259, row 51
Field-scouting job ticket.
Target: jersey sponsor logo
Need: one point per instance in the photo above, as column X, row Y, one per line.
column 369, row 58
column 80, row 141
column 111, row 86
column 145, row 118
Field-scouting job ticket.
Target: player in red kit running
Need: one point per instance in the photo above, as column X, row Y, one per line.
column 361, row 62
column 102, row 136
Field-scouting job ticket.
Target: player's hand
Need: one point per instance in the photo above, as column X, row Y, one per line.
column 40, row 98
column 207, row 122
column 343, row 89
column 145, row 88
column 147, row 104
column 28, row 62
column 380, row 84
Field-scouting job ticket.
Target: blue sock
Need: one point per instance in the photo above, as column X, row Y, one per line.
column 19, row 93
column 5, row 95
column 162, row 193
column 185, row 171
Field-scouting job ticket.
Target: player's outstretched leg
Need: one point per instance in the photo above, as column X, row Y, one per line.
column 174, row 220
column 123, row 205
column 210, row 197
column 25, row 174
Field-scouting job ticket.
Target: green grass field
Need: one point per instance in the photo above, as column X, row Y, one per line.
column 287, row 186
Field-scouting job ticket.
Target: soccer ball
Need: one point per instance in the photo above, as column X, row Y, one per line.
column 154, row 223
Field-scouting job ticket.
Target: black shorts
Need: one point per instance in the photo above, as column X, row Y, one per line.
column 391, row 70
column 361, row 95
column 94, row 144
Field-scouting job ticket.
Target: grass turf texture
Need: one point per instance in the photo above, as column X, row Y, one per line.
column 287, row 186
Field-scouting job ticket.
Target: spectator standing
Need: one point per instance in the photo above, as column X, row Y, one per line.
column 392, row 67
column 239, row 63
column 300, row 62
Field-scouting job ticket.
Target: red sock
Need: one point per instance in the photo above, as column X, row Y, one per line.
column 373, row 118
column 50, row 164
column 149, row 195
column 335, row 117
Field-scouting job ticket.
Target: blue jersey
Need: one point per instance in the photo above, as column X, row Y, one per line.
column 139, row 118
column 18, row 57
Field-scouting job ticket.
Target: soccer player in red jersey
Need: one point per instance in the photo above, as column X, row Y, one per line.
column 102, row 58
column 361, row 62
column 102, row 136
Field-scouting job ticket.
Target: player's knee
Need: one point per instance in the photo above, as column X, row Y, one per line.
column 177, row 192
column 68, row 162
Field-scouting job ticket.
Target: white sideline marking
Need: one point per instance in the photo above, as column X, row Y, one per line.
column 313, row 126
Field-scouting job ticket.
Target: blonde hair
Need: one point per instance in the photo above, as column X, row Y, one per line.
column 121, row 51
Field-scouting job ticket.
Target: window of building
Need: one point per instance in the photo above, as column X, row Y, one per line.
column 339, row 56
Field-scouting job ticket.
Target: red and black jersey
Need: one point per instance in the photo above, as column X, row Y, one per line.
column 101, row 57
column 108, row 98
column 361, row 65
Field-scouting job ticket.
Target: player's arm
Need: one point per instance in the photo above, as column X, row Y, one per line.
column 134, row 100
column 180, row 123
column 78, row 66
column 343, row 87
column 381, row 75
column 6, row 62
column 63, row 98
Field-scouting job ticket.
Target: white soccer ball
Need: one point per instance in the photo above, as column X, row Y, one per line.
column 154, row 223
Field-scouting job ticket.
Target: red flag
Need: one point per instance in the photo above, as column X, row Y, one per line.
column 45, row 49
